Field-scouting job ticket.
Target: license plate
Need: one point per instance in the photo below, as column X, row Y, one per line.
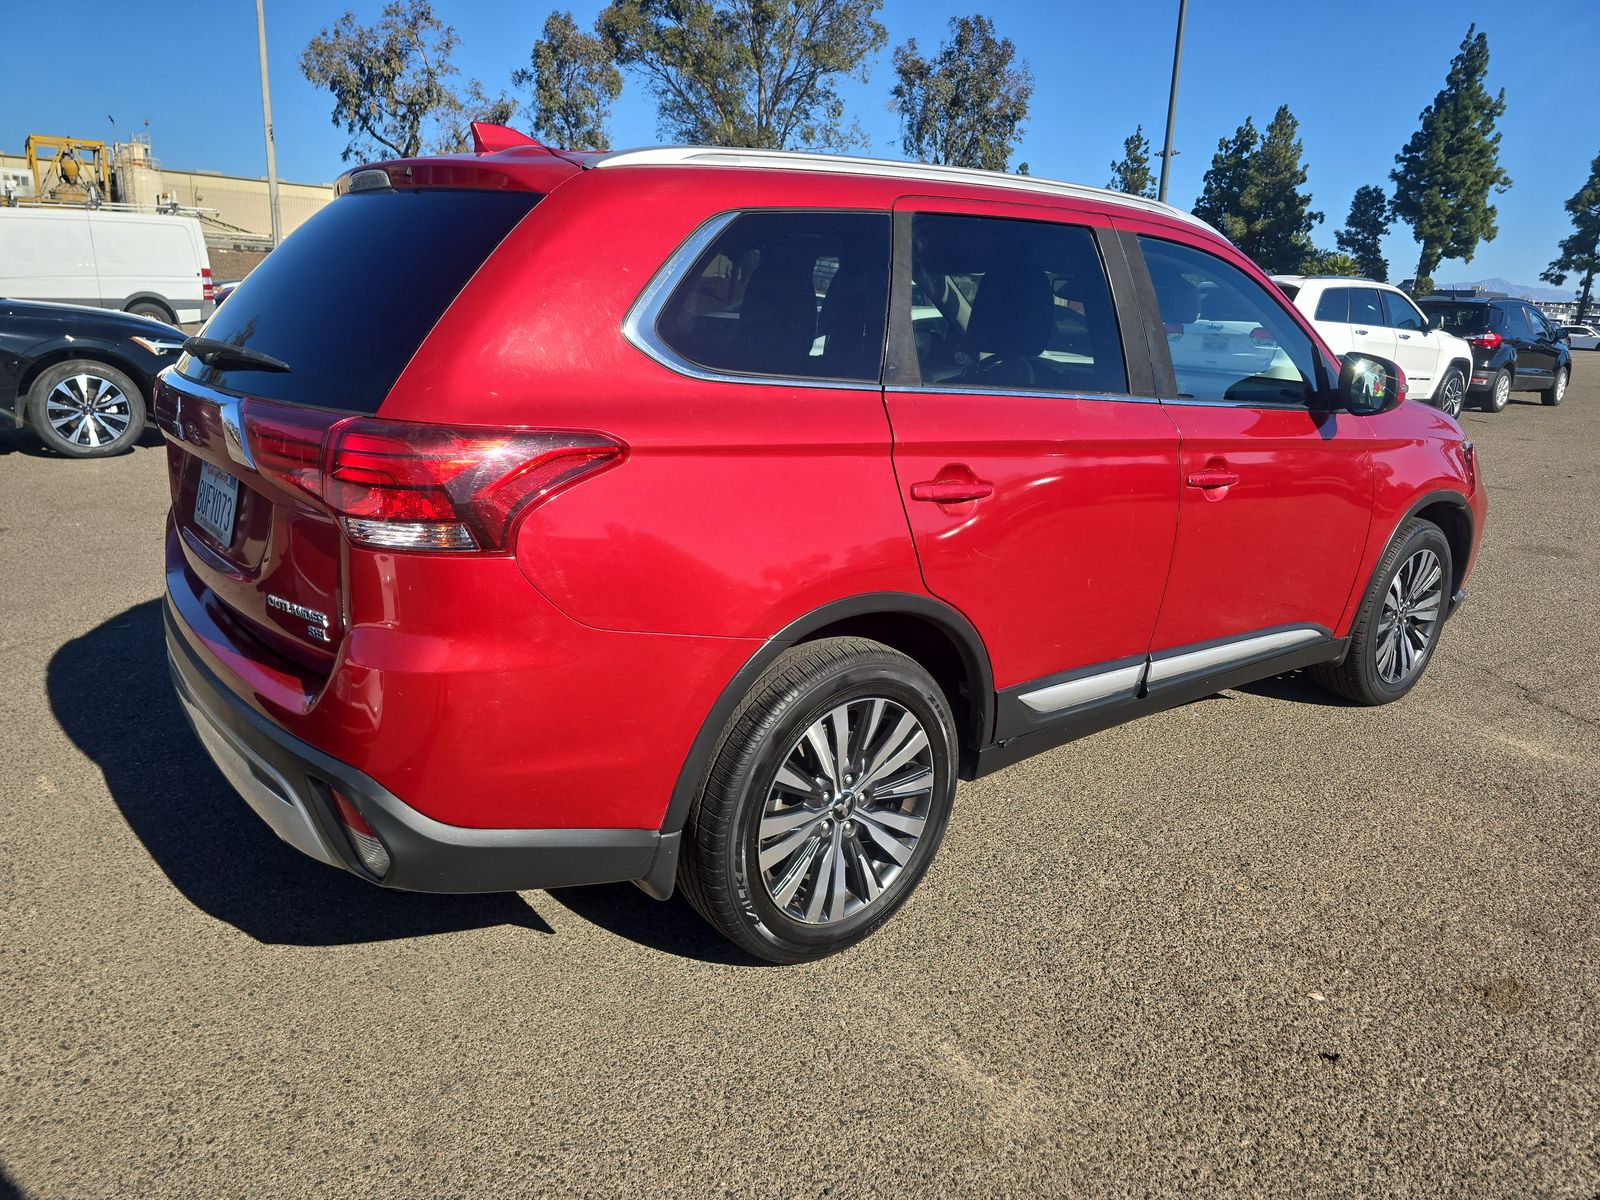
column 1216, row 344
column 215, row 501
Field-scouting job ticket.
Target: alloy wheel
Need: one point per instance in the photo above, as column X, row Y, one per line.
column 88, row 410
column 846, row 810
column 1561, row 385
column 1453, row 395
column 1412, row 606
column 1502, row 392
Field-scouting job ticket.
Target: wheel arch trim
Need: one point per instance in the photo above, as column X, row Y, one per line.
column 969, row 646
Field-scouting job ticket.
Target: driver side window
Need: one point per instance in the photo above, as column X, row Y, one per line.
column 1230, row 341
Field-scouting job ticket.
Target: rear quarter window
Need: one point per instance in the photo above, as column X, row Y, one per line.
column 349, row 296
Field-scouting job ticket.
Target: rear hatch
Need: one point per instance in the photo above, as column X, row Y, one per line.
column 313, row 339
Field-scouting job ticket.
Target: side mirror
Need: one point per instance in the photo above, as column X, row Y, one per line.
column 1436, row 321
column 1369, row 385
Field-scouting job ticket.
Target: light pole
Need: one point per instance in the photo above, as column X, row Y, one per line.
column 266, row 126
column 1172, row 100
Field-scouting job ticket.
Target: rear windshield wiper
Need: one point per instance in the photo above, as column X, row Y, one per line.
column 225, row 354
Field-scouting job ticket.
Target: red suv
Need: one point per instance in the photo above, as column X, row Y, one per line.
column 699, row 517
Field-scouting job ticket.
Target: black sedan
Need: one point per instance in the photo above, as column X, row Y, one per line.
column 81, row 376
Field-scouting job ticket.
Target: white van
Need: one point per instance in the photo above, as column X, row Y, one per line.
column 136, row 262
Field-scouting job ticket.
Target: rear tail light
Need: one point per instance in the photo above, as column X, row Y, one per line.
column 208, row 289
column 399, row 486
column 1486, row 341
column 1263, row 339
column 368, row 848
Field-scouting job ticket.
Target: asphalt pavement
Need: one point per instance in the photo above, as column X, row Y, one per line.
column 1266, row 944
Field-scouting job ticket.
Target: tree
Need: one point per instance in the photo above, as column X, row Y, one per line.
column 574, row 85
column 1363, row 233
column 1580, row 250
column 1444, row 175
column 1330, row 262
column 965, row 106
column 757, row 73
column 1132, row 174
column 389, row 81
column 475, row 105
column 1252, row 193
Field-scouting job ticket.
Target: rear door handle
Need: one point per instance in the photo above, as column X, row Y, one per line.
column 1215, row 478
column 1362, row 332
column 951, row 491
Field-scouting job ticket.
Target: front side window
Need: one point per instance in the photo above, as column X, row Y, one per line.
column 799, row 295
column 1334, row 305
column 1400, row 313
column 1003, row 304
column 1229, row 339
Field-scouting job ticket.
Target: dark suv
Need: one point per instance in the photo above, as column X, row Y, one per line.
column 710, row 549
column 1515, row 348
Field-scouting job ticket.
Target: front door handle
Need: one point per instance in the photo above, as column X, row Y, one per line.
column 1362, row 332
column 1404, row 337
column 1215, row 477
column 951, row 491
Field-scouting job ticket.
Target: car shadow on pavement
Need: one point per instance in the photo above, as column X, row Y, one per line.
column 1296, row 686
column 110, row 691
column 20, row 439
column 672, row 927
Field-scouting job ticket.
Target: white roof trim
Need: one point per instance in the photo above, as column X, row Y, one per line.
column 790, row 160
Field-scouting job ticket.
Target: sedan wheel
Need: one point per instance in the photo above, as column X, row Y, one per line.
column 86, row 409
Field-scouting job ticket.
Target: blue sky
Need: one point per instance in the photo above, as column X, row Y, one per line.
column 1356, row 73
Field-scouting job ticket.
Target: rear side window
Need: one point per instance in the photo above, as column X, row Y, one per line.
column 1399, row 313
column 1365, row 307
column 1005, row 305
column 349, row 296
column 1334, row 305
column 788, row 295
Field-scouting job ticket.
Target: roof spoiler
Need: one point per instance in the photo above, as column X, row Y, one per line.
column 491, row 139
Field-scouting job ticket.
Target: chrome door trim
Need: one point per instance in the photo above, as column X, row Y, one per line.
column 1036, row 393
column 1122, row 682
column 1228, row 653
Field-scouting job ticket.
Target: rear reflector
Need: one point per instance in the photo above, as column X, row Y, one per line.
column 368, row 848
column 401, row 486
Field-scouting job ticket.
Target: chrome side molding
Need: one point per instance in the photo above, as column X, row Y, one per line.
column 1193, row 662
column 1124, row 681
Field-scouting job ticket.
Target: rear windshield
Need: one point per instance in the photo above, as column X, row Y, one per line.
column 1463, row 318
column 346, row 299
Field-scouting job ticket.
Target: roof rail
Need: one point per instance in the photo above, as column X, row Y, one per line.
column 791, row 160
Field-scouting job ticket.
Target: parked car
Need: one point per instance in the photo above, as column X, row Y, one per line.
column 711, row 550
column 143, row 263
column 82, row 377
column 1375, row 318
column 1582, row 337
column 224, row 289
column 1515, row 348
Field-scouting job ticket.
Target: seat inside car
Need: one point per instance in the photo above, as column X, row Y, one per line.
column 1013, row 314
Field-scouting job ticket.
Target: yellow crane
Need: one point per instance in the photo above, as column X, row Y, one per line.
column 75, row 173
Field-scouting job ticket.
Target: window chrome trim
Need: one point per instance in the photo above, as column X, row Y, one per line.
column 1236, row 650
column 943, row 390
column 639, row 325
column 1122, row 682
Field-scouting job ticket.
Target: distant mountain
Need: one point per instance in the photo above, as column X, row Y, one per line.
column 1531, row 291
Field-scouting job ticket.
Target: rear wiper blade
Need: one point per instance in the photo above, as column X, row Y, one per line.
column 225, row 354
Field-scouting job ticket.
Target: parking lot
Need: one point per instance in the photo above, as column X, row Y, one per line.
column 1265, row 943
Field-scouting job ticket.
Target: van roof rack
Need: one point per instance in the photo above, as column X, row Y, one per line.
column 791, row 160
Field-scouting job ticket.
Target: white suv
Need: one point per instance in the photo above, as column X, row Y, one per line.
column 1364, row 317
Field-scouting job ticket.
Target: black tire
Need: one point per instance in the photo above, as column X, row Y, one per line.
column 119, row 413
column 720, row 870
column 1499, row 393
column 1358, row 677
column 1451, row 395
column 152, row 308
column 1557, row 391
